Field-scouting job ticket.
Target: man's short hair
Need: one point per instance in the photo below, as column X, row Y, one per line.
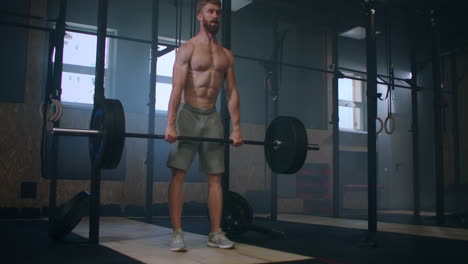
column 203, row 3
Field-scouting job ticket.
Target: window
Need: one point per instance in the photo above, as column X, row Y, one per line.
column 164, row 79
column 79, row 62
column 351, row 107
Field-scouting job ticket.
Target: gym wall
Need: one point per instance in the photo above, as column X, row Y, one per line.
column 20, row 120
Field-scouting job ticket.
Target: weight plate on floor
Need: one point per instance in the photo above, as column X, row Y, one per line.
column 69, row 215
column 237, row 214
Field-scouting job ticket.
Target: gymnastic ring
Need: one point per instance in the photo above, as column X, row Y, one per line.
column 41, row 111
column 381, row 126
column 392, row 124
column 57, row 113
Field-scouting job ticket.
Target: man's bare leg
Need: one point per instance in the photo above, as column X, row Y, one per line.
column 176, row 197
column 215, row 204
column 215, row 200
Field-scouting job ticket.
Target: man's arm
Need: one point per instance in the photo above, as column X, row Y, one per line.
column 179, row 77
column 233, row 102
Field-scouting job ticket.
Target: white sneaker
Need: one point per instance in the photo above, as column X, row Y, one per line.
column 218, row 239
column 178, row 243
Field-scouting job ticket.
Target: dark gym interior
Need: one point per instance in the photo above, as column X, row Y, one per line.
column 377, row 84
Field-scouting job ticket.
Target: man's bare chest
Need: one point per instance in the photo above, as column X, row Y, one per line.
column 205, row 59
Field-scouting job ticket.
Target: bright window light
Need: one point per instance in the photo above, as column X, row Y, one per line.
column 79, row 62
column 351, row 106
column 163, row 92
column 164, row 79
column 79, row 49
column 78, row 88
column 166, row 63
column 346, row 89
column 346, row 117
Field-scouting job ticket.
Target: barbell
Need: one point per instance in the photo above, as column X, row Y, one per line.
column 285, row 144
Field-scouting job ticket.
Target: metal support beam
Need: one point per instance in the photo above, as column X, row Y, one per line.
column 152, row 113
column 54, row 91
column 371, row 117
column 456, row 129
column 225, row 117
column 99, row 94
column 438, row 125
column 275, row 101
column 381, row 76
column 95, row 202
column 336, row 129
column 415, row 137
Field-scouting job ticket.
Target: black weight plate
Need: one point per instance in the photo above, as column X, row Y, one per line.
column 289, row 156
column 99, row 143
column 69, row 215
column 116, row 134
column 237, row 214
column 301, row 145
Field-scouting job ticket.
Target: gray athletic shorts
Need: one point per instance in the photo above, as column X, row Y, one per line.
column 196, row 122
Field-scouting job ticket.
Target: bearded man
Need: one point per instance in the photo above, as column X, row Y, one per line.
column 201, row 66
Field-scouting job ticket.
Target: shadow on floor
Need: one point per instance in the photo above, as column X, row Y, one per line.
column 26, row 241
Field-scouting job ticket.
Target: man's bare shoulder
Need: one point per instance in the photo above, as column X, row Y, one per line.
column 187, row 46
column 229, row 54
column 184, row 52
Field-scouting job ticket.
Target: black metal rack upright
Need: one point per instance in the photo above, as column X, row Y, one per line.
column 99, row 96
column 456, row 129
column 438, row 125
column 415, row 137
column 57, row 37
column 336, row 128
column 224, row 112
column 152, row 113
column 275, row 101
column 371, row 117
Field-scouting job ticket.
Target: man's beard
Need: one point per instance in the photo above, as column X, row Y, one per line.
column 211, row 27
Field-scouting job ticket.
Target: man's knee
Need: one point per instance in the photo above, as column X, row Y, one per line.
column 214, row 178
column 178, row 174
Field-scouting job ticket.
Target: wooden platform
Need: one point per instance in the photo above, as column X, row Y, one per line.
column 150, row 244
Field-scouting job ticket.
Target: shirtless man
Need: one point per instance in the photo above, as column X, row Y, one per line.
column 201, row 66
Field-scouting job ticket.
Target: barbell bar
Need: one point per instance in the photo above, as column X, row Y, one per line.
column 285, row 144
column 90, row 132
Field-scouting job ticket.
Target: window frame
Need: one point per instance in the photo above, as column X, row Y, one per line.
column 111, row 51
column 164, row 41
column 355, row 104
